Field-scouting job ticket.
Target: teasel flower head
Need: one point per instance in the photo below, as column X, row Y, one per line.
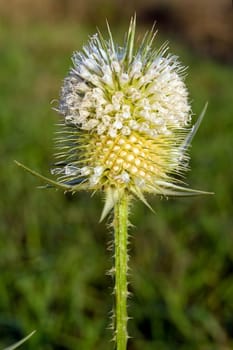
column 126, row 120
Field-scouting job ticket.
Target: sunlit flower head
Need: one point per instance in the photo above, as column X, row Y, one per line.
column 126, row 120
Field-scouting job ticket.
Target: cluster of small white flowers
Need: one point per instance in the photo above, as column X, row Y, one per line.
column 126, row 120
column 70, row 170
column 99, row 96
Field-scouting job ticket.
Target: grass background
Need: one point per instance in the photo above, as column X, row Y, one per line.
column 53, row 252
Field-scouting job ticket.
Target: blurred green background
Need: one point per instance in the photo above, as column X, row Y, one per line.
column 53, row 252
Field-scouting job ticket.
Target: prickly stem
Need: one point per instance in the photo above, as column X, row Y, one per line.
column 120, row 224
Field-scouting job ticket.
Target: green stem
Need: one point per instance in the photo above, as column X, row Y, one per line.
column 121, row 266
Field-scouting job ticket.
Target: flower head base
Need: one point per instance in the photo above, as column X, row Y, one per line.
column 126, row 120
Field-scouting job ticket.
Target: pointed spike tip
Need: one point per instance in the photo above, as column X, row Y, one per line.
column 112, row 197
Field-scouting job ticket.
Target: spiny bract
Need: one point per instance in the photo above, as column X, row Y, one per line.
column 126, row 120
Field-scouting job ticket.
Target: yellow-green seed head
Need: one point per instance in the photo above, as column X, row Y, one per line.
column 126, row 119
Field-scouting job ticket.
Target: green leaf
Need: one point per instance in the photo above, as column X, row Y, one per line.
column 16, row 345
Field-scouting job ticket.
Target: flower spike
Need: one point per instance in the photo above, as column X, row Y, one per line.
column 126, row 121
